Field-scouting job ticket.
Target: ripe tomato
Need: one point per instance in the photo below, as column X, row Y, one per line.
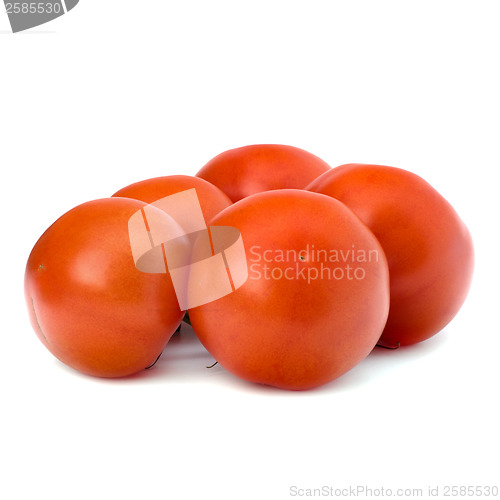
column 88, row 303
column 212, row 199
column 248, row 170
column 315, row 301
column 428, row 247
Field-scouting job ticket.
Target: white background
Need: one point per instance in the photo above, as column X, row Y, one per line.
column 118, row 91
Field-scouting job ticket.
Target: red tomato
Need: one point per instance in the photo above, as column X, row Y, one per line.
column 428, row 247
column 248, row 170
column 312, row 306
column 212, row 199
column 88, row 303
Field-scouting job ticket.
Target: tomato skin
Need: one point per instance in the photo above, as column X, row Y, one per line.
column 291, row 333
column 428, row 248
column 252, row 169
column 212, row 199
column 88, row 304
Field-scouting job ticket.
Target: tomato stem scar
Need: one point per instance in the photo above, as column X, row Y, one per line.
column 387, row 347
column 154, row 363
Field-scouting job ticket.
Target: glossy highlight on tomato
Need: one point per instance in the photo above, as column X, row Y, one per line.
column 243, row 171
column 315, row 301
column 428, row 247
column 87, row 302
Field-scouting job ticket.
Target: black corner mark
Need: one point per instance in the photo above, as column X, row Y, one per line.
column 26, row 14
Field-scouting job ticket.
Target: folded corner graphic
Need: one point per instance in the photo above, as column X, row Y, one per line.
column 170, row 236
column 27, row 14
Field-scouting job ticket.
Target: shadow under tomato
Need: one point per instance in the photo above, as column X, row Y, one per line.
column 182, row 358
column 381, row 362
column 377, row 365
column 185, row 359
